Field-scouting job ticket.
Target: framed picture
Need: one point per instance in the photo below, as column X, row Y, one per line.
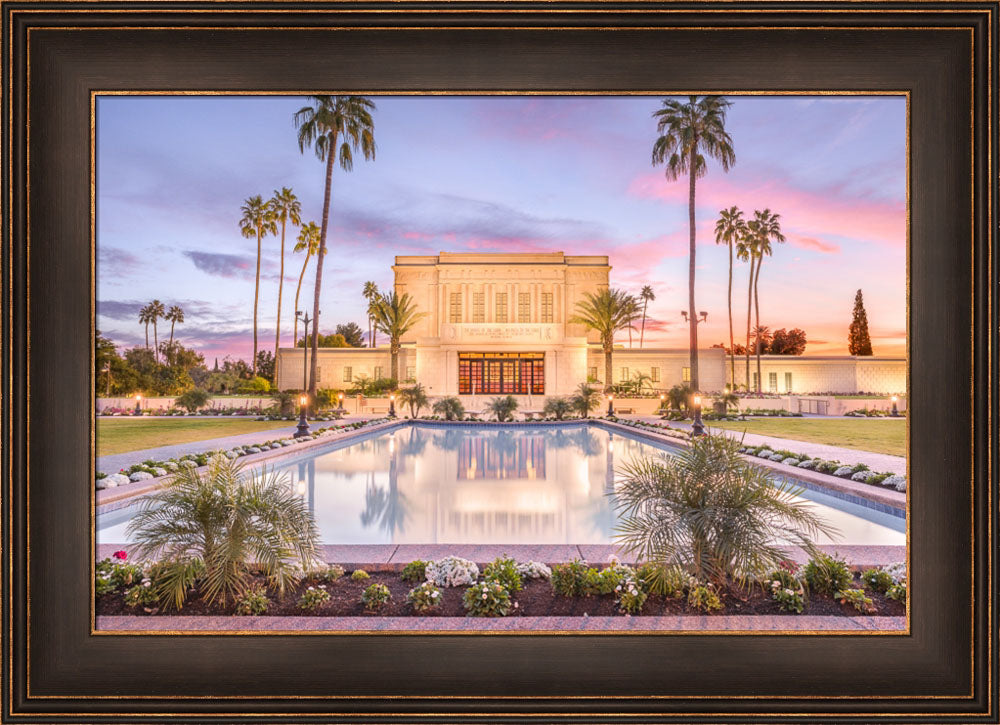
column 873, row 123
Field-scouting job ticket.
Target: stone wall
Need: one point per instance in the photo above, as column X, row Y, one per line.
column 827, row 374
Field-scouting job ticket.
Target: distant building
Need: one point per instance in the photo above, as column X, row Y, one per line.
column 500, row 324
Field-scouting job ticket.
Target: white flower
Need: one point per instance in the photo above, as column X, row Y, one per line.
column 434, row 595
column 789, row 592
column 145, row 583
column 484, row 595
column 618, row 588
column 515, row 605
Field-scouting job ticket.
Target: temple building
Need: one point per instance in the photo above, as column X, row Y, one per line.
column 497, row 324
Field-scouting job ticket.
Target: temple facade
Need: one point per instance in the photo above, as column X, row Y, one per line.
column 498, row 324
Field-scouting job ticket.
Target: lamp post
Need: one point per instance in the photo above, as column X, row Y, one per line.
column 138, row 401
column 697, row 427
column 302, row 429
column 663, row 400
column 304, row 316
column 340, row 403
column 107, row 370
column 392, row 405
column 895, row 409
column 611, row 405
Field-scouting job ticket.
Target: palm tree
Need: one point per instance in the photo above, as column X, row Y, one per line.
column 746, row 251
column 257, row 221
column 212, row 527
column 647, row 295
column 335, row 126
column 370, row 293
column 713, row 513
column 156, row 311
column 607, row 312
column 585, row 399
column 729, row 229
column 308, row 241
column 395, row 315
column 144, row 319
column 503, row 407
column 687, row 131
column 765, row 227
column 558, row 407
column 175, row 314
column 451, row 408
column 415, row 397
column 286, row 208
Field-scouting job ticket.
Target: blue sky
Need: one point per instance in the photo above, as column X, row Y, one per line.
column 502, row 173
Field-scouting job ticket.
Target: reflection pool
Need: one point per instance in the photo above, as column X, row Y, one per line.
column 432, row 484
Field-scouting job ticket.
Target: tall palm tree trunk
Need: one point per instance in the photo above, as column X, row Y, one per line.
column 607, row 366
column 692, row 318
column 295, row 324
column 147, row 335
column 394, row 359
column 756, row 304
column 156, row 344
column 331, row 151
column 172, row 322
column 281, row 286
column 732, row 348
column 642, row 333
column 749, row 311
column 256, row 298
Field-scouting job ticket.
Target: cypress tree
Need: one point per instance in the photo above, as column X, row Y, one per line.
column 858, row 340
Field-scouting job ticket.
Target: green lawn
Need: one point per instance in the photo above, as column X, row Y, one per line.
column 121, row 435
column 876, row 435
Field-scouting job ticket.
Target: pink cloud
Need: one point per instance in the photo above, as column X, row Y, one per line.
column 805, row 212
column 814, row 244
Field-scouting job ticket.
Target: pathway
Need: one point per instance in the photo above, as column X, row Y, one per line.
column 879, row 462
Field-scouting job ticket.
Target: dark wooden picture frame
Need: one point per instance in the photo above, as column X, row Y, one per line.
column 56, row 55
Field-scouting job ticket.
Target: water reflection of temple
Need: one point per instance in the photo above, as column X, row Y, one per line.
column 436, row 485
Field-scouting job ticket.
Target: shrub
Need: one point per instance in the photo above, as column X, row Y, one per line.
column 703, row 597
column 487, row 599
column 896, row 482
column 328, row 574
column 503, row 569
column 897, row 592
column 313, row 598
column 877, row 579
column 857, row 599
column 359, row 575
column 102, row 578
column 710, row 511
column 255, row 385
column 449, row 408
column 667, row 581
column 141, row 595
column 415, row 398
column 630, row 596
column 534, row 570
column 586, row 399
column 125, row 575
column 558, row 407
column 415, row 571
column 211, row 526
column 827, row 574
column 424, row 597
column 254, row 601
column 594, row 582
column 192, row 400
column 503, row 407
column 375, row 596
column 567, row 579
column 452, row 571
column 786, row 590
column 844, row 471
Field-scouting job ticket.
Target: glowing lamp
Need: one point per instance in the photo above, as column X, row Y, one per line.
column 301, row 488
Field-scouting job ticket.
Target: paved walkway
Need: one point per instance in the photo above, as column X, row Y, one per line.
column 879, row 462
column 114, row 463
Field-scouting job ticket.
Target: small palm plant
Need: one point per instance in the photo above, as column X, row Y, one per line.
column 731, row 399
column 450, row 408
column 211, row 529
column 558, row 407
column 415, row 397
column 679, row 397
column 706, row 509
column 503, row 407
column 586, row 399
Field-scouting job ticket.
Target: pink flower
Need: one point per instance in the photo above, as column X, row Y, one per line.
column 121, row 555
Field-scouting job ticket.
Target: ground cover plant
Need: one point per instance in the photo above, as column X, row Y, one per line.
column 386, row 594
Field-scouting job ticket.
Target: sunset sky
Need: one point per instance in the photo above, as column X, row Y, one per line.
column 511, row 174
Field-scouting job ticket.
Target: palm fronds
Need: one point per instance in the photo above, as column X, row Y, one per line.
column 708, row 510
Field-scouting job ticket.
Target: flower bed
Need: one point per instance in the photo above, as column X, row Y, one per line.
column 151, row 468
column 612, row 590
